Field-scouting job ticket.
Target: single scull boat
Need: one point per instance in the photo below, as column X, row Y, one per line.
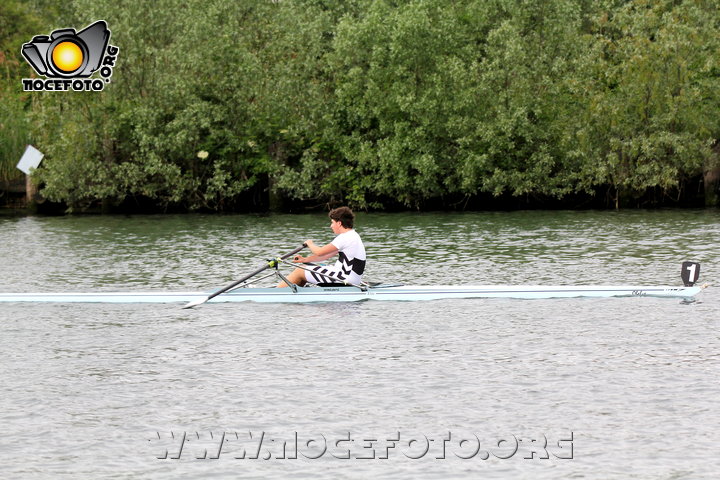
column 242, row 290
column 352, row 294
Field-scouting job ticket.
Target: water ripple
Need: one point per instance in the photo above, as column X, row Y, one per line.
column 87, row 389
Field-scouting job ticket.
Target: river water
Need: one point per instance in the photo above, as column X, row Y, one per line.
column 496, row 388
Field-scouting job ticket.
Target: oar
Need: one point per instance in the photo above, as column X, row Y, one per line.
column 270, row 264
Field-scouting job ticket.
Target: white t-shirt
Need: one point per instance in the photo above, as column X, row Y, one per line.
column 351, row 256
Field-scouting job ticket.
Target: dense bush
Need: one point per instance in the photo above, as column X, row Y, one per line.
column 369, row 102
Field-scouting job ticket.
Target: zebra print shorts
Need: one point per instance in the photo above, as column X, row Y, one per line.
column 319, row 274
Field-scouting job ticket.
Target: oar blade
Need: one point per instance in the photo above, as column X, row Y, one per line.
column 195, row 303
column 270, row 264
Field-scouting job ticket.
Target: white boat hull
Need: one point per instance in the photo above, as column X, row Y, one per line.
column 351, row 294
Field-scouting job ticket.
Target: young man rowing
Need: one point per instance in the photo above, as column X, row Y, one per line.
column 347, row 245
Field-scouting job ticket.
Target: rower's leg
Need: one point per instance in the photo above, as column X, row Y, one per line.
column 297, row 277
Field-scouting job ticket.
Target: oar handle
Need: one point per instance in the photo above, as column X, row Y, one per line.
column 288, row 255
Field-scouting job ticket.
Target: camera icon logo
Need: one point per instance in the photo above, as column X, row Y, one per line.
column 67, row 59
column 67, row 54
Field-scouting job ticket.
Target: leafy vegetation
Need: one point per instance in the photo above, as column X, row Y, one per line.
column 223, row 106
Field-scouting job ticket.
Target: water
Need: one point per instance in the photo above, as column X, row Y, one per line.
column 102, row 391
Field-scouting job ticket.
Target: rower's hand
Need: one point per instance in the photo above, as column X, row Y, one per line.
column 309, row 244
column 298, row 259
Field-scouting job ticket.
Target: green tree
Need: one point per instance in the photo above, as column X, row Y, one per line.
column 651, row 93
column 18, row 24
column 434, row 98
column 528, row 63
column 397, row 74
column 238, row 82
column 378, row 102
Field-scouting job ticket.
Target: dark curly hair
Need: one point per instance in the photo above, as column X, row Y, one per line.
column 343, row 215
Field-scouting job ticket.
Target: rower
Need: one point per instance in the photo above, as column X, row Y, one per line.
column 347, row 245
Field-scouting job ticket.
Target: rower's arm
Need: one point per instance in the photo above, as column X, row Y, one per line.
column 320, row 258
column 320, row 254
